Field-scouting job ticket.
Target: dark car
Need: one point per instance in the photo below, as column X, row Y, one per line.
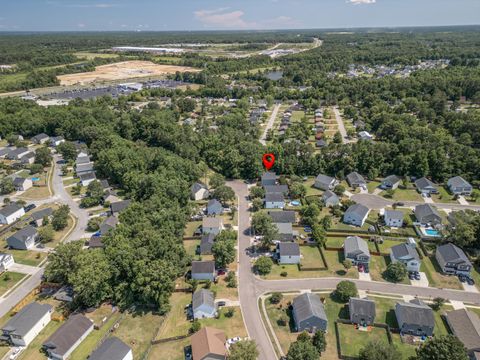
column 29, row 207
column 399, row 203
column 462, row 278
column 470, row 281
column 417, row 276
column 411, row 276
column 221, row 303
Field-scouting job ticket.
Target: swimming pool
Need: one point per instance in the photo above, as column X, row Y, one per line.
column 35, row 179
column 432, row 232
column 295, row 203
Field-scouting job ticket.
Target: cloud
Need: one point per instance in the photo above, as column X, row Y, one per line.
column 81, row 25
column 361, row 2
column 84, row 6
column 221, row 18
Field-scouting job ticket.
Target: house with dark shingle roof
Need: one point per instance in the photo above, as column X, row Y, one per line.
column 108, row 224
column 203, row 304
column 38, row 216
column 362, row 311
column 407, row 255
column 465, row 325
column 22, row 184
column 40, row 138
column 212, row 225
column 209, row 344
column 62, row 342
column 356, row 250
column 269, row 178
column 330, row 199
column 425, row 186
column 206, row 243
column 11, row 213
column 452, row 260
column 288, row 253
column 309, row 313
column 459, row 186
column 204, row 270
column 214, row 207
column 199, row 191
column 415, row 318
column 283, row 216
column 26, row 324
column 119, row 206
column 393, row 218
column 274, row 201
column 356, row 215
column 427, row 214
column 83, row 168
column 87, row 178
column 285, row 232
column 82, row 160
column 390, row 182
column 355, row 180
column 282, row 189
column 23, row 239
column 325, row 182
column 112, row 348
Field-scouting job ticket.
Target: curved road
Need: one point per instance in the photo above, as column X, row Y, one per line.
column 252, row 287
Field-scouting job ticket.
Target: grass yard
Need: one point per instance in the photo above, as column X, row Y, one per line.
column 435, row 278
column 191, row 227
column 27, row 257
column 372, row 185
column 60, row 235
column 3, row 351
column 443, row 196
column 173, row 350
column 405, row 195
column 232, row 326
column 352, row 340
column 310, row 189
column 8, row 280
column 191, row 247
column 176, row 322
column 310, row 257
column 32, row 352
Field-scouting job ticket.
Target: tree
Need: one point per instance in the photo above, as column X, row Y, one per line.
column 43, row 156
column 224, row 194
column 68, row 151
column 46, row 234
column 60, row 217
column 223, row 249
column 264, row 265
column 196, row 326
column 298, row 190
column 36, row 168
column 337, row 138
column 326, row 222
column 62, row 261
column 94, row 224
column 216, row 180
column 319, row 235
column 339, row 190
column 310, row 214
column 257, row 204
column 345, row 290
column 438, row 302
column 6, row 186
column 347, row 263
column 302, row 350
column 445, row 347
column 319, row 341
column 390, row 193
column 379, row 350
column 257, row 192
column 93, row 196
column 262, row 225
column 186, row 105
column 243, row 350
column 230, row 312
column 276, row 297
column 396, row 272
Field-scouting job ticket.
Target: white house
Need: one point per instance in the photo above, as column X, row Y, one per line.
column 22, row 328
column 203, row 270
column 459, row 186
column 87, row 178
column 56, row 140
column 6, row 260
column 274, row 201
column 356, row 215
column 11, row 213
column 288, row 253
column 22, row 184
column 199, row 191
column 407, row 255
column 365, row 135
column 112, row 348
column 203, row 304
column 393, row 218
column 212, row 225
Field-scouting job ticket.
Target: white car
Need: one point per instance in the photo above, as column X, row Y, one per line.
column 15, row 352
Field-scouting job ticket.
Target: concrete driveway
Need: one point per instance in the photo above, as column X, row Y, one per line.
column 23, row 269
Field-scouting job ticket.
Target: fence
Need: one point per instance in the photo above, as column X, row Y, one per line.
column 175, row 338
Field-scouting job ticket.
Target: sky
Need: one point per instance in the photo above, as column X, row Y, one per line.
column 165, row 15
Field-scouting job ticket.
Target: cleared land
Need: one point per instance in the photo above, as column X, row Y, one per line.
column 121, row 71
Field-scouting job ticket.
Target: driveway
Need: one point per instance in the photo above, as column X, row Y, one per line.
column 270, row 123
column 23, row 269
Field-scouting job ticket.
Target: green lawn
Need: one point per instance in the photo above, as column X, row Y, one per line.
column 405, row 195
column 310, row 189
column 353, row 340
column 372, row 185
column 27, row 257
column 435, row 278
column 191, row 246
column 311, row 257
column 8, row 280
column 32, row 352
column 191, row 227
column 443, row 196
column 232, row 326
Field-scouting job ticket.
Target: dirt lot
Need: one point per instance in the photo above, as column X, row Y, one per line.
column 122, row 70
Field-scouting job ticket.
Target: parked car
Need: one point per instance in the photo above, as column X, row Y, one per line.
column 411, row 276
column 470, row 281
column 221, row 303
column 462, row 278
column 221, row 271
column 29, row 207
column 399, row 203
column 361, row 267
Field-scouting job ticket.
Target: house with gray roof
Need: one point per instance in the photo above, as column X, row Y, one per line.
column 452, row 260
column 28, row 158
column 26, row 324
column 62, row 342
column 325, row 182
column 330, row 199
column 199, row 191
column 40, row 138
column 390, row 182
column 283, row 216
column 203, row 304
column 214, row 207
column 212, row 225
column 11, row 213
column 309, row 313
column 415, row 318
column 427, row 214
column 22, row 184
column 17, row 154
column 112, row 348
column 87, row 178
column 459, row 186
column 288, row 253
column 285, row 232
column 465, row 325
column 108, row 224
column 425, row 186
column 38, row 216
column 356, row 215
column 356, row 250
column 23, row 239
column 407, row 255
column 274, row 201
column 83, row 168
column 206, row 243
column 119, row 206
column 82, row 160
column 269, row 178
column 362, row 311
column 393, row 218
column 6, row 260
column 355, row 180
column 56, row 140
column 204, row 270
column 282, row 189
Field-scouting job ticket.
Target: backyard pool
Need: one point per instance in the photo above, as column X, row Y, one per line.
column 431, row 232
column 35, row 179
column 295, row 203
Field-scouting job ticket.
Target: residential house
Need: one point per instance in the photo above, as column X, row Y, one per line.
column 330, row 199
column 65, row 293
column 356, row 215
column 110, row 196
column 40, row 138
column 425, row 186
column 62, row 342
column 112, row 348
column 465, row 325
column 203, row 304
column 82, row 160
column 17, row 154
column 390, row 182
column 199, row 191
column 365, row 135
column 6, row 260
column 320, row 143
column 212, row 225
column 208, row 344
column 281, row 189
column 119, row 206
column 407, row 255
column 87, row 178
column 393, row 218
column 427, row 214
column 204, row 270
column 206, row 243
column 22, row 184
column 356, row 250
column 108, row 224
column 23, row 239
column 324, row 182
column 309, row 313
column 285, row 232
column 288, row 253
column 56, row 140
column 452, row 260
column 362, row 311
column 214, row 207
column 26, row 324
column 283, row 216
column 355, row 180
column 4, row 151
column 415, row 318
column 459, row 186
column 84, row 168
column 274, row 201
column 11, row 213
column 39, row 216
column 28, row 158
column 269, row 178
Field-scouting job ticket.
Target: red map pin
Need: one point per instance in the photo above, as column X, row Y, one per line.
column 268, row 160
